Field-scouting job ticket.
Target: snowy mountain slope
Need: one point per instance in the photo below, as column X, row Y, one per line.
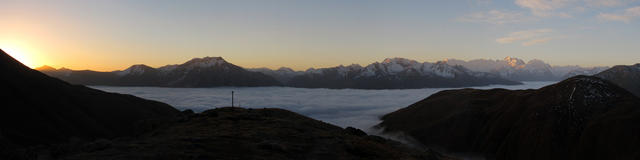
column 395, row 73
column 516, row 69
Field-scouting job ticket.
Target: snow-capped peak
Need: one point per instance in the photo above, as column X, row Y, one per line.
column 137, row 69
column 443, row 69
column 205, row 62
column 401, row 61
column 396, row 65
column 537, row 65
column 515, row 62
column 285, row 69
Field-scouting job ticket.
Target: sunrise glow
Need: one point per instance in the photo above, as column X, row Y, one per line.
column 107, row 36
column 20, row 55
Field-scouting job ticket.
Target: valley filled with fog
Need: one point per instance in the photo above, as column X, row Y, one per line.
column 343, row 107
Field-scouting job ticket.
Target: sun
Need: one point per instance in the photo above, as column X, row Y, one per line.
column 19, row 55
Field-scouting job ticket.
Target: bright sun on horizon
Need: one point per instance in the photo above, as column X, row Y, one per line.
column 19, row 55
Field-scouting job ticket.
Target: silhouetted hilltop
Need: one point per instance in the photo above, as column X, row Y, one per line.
column 627, row 77
column 579, row 118
column 38, row 109
column 237, row 133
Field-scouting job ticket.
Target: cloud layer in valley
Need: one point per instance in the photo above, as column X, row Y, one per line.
column 345, row 107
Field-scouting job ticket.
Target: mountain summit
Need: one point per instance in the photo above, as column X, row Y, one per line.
column 205, row 62
column 198, row 72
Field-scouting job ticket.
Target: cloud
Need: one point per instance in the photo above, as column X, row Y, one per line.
column 608, row 3
column 528, row 37
column 483, row 2
column 542, row 4
column 604, row 3
column 614, row 17
column 536, row 41
column 558, row 8
column 545, row 8
column 626, row 16
column 494, row 17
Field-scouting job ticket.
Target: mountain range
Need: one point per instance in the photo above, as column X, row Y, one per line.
column 583, row 117
column 198, row 72
column 392, row 73
column 518, row 70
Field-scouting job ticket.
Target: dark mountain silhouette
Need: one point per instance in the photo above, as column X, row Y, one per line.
column 579, row 118
column 38, row 109
column 627, row 77
column 236, row 133
column 198, row 72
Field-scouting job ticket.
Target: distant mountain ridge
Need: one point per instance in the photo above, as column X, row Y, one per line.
column 395, row 73
column 518, row 70
column 198, row 72
column 391, row 73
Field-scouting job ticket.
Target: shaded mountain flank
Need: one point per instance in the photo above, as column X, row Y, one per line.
column 396, row 73
column 627, row 77
column 46, row 118
column 38, row 109
column 198, row 72
column 582, row 117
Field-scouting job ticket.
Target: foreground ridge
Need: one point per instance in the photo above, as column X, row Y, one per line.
column 238, row 133
column 582, row 117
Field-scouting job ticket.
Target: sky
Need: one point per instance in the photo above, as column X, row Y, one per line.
column 108, row 35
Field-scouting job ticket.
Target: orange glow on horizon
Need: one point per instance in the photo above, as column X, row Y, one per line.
column 22, row 54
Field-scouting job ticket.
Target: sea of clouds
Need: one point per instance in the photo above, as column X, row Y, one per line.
column 343, row 107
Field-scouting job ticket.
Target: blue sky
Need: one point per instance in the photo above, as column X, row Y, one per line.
column 110, row 35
